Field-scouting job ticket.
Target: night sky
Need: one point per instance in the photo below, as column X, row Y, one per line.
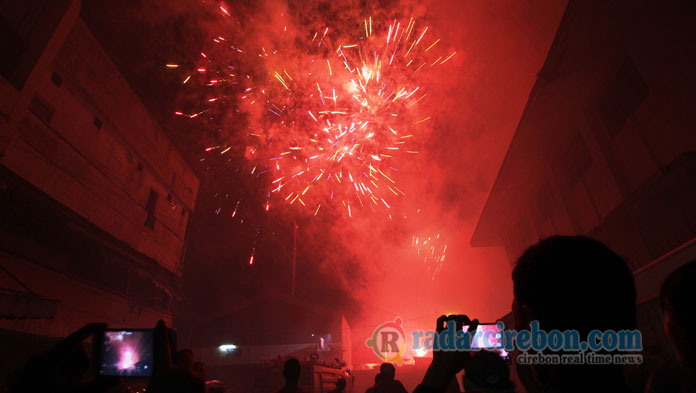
column 364, row 265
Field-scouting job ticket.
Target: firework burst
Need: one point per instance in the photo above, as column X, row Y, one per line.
column 432, row 249
column 332, row 117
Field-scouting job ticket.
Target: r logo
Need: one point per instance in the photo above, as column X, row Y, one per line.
column 388, row 342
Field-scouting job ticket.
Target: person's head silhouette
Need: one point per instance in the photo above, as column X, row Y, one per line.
column 340, row 385
column 379, row 378
column 291, row 371
column 388, row 370
column 572, row 282
column 677, row 300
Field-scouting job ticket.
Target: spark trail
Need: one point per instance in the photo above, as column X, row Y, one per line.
column 332, row 118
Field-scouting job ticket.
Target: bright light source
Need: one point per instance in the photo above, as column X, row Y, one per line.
column 227, row 347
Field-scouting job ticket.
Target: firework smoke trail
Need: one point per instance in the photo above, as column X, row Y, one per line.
column 330, row 118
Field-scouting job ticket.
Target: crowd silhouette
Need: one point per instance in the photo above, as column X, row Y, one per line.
column 563, row 282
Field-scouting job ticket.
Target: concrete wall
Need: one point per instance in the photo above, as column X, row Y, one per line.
column 103, row 171
column 608, row 124
column 78, row 144
column 81, row 303
column 606, row 146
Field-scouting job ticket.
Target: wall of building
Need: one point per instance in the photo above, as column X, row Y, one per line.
column 608, row 119
column 96, row 199
column 87, row 141
column 606, row 146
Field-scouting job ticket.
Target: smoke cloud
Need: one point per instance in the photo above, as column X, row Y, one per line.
column 366, row 264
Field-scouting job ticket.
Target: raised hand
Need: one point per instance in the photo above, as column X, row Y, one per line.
column 62, row 369
column 167, row 377
column 446, row 364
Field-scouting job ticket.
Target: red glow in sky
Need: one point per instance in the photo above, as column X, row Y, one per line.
column 474, row 101
column 336, row 114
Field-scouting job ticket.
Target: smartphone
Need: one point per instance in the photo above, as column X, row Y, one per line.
column 125, row 352
column 487, row 336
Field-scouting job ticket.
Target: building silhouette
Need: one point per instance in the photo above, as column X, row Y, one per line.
column 606, row 146
column 95, row 200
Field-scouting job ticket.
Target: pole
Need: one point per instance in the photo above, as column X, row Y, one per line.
column 294, row 256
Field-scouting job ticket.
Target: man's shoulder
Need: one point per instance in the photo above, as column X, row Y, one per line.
column 395, row 386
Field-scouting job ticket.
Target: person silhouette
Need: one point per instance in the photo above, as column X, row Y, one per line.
column 64, row 368
column 379, row 378
column 291, row 373
column 389, row 383
column 340, row 386
column 563, row 283
column 677, row 303
column 184, row 358
column 200, row 369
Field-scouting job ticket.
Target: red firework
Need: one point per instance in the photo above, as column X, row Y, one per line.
column 331, row 118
